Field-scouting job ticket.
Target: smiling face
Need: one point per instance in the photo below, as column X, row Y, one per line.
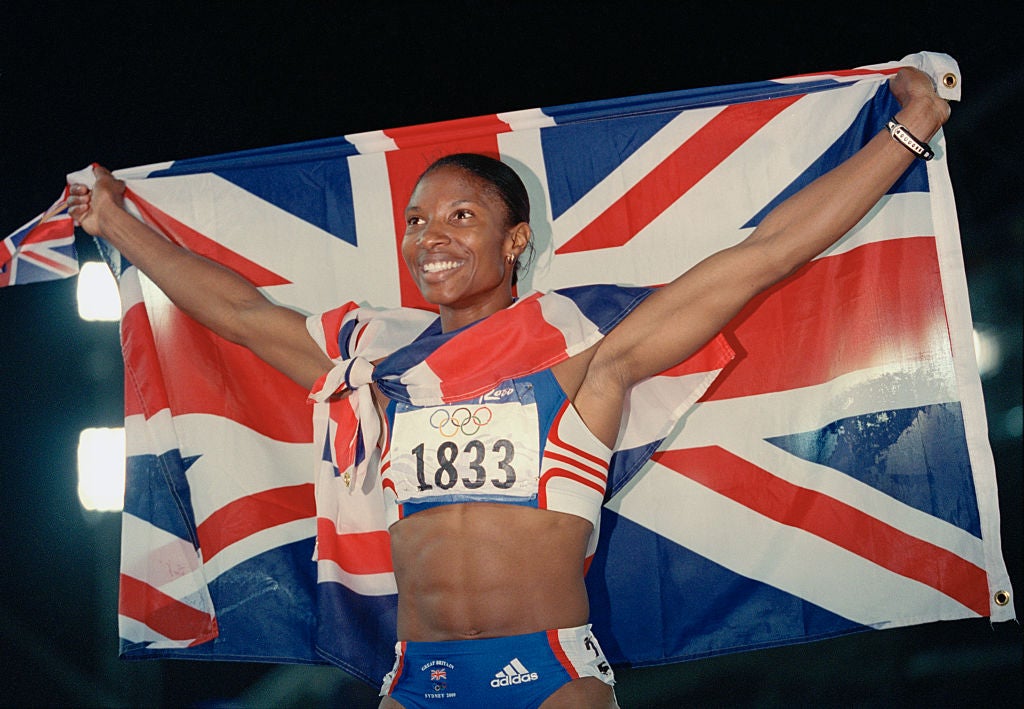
column 457, row 245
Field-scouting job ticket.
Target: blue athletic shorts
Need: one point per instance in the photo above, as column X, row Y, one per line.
column 515, row 671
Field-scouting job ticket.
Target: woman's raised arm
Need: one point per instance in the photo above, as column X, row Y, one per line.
column 216, row 297
column 678, row 319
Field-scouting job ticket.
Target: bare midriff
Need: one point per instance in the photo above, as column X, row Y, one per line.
column 481, row 570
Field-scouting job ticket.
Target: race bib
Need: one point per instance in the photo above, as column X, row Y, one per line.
column 479, row 450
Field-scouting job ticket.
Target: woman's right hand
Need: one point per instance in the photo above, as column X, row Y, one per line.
column 88, row 207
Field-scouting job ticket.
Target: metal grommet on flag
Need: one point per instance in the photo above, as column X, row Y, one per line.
column 1002, row 598
column 949, row 80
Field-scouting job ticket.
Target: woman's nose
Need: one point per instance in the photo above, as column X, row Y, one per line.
column 433, row 233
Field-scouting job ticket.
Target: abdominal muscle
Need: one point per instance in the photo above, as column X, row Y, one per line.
column 479, row 570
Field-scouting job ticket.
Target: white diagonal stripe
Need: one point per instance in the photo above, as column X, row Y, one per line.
column 693, row 516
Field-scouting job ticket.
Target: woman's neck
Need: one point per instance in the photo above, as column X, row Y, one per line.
column 454, row 318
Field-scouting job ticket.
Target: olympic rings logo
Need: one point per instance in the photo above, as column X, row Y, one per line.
column 461, row 420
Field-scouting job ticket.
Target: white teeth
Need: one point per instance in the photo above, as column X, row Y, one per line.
column 438, row 266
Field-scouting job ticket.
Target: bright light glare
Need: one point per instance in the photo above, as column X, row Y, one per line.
column 101, row 469
column 988, row 352
column 97, row 293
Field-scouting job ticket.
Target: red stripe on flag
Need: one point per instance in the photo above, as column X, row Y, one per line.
column 526, row 337
column 347, row 435
column 846, row 72
column 48, row 263
column 878, row 304
column 254, row 513
column 422, row 145
column 446, row 134
column 675, row 175
column 54, row 230
column 833, row 521
column 144, row 389
column 331, row 322
column 201, row 244
column 714, row 355
column 177, row 363
column 361, row 553
column 165, row 615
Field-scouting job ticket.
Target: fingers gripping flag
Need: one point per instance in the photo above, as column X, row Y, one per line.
column 847, row 429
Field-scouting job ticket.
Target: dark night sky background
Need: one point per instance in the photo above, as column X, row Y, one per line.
column 132, row 83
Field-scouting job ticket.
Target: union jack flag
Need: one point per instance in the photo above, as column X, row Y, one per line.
column 834, row 478
column 42, row 250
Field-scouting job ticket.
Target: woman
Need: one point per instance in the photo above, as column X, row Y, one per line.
column 511, row 585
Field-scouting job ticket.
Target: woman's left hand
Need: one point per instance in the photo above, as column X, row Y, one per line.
column 912, row 86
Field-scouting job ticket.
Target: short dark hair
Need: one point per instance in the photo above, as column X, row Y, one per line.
column 503, row 181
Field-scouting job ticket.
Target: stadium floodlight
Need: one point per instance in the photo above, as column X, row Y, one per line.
column 101, row 469
column 988, row 351
column 97, row 293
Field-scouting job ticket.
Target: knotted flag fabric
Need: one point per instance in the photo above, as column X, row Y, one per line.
column 835, row 477
column 423, row 366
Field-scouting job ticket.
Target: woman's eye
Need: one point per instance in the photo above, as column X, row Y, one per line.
column 463, row 214
column 413, row 221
